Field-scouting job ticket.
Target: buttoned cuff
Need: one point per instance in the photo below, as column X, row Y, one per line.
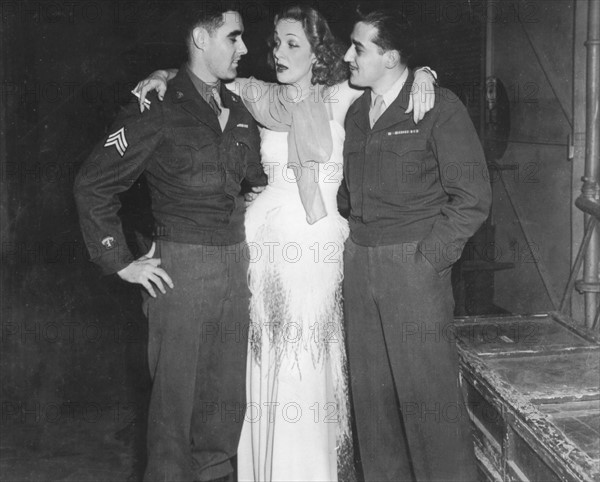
column 114, row 259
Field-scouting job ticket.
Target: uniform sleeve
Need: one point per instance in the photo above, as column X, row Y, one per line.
column 113, row 166
column 465, row 179
column 343, row 200
column 255, row 174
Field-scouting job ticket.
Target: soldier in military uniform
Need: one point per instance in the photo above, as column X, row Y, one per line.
column 417, row 193
column 195, row 149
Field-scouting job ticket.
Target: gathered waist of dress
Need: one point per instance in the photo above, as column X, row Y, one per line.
column 288, row 199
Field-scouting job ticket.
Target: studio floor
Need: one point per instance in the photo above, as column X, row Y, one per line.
column 70, row 451
column 74, row 377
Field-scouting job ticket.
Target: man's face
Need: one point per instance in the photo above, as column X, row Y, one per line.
column 224, row 48
column 365, row 59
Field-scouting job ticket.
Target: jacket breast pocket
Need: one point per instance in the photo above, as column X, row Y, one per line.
column 195, row 157
column 238, row 148
column 403, row 165
column 353, row 165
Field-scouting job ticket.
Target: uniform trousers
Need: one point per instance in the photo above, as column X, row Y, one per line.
column 411, row 420
column 197, row 356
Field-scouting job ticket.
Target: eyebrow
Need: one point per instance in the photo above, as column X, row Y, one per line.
column 235, row 33
column 290, row 34
column 357, row 43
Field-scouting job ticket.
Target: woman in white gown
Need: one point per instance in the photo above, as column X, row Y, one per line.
column 297, row 423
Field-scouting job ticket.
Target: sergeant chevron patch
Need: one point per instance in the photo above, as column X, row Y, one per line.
column 118, row 140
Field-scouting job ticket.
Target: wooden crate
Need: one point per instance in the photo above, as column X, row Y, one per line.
column 532, row 385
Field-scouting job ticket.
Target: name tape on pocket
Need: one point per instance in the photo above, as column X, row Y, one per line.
column 407, row 131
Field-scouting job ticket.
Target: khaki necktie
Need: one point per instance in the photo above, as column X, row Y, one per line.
column 217, row 106
column 212, row 101
column 376, row 110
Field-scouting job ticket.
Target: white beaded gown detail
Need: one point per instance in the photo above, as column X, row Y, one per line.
column 297, row 423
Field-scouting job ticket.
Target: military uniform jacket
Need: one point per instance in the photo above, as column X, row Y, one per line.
column 407, row 182
column 194, row 172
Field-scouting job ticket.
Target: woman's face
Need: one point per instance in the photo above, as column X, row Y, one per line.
column 292, row 53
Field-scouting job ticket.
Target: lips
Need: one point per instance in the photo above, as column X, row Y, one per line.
column 280, row 67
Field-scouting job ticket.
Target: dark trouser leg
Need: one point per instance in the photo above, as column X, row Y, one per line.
column 415, row 307
column 379, row 427
column 198, row 367
column 220, row 395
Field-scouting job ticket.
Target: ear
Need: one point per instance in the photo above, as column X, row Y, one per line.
column 392, row 59
column 199, row 37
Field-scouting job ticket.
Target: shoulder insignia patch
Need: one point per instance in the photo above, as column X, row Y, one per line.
column 108, row 242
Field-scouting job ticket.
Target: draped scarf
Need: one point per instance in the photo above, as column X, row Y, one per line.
column 284, row 108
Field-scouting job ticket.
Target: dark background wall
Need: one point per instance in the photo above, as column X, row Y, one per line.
column 532, row 205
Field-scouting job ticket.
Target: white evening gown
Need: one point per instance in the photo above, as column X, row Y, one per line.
column 297, row 424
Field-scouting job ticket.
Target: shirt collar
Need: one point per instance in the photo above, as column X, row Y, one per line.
column 390, row 95
column 204, row 89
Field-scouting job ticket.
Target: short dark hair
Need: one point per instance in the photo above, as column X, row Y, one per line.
column 394, row 31
column 329, row 68
column 206, row 14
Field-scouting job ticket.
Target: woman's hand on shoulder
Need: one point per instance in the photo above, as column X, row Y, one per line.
column 157, row 80
column 422, row 96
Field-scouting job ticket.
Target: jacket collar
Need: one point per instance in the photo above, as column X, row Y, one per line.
column 233, row 102
column 184, row 93
column 394, row 114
